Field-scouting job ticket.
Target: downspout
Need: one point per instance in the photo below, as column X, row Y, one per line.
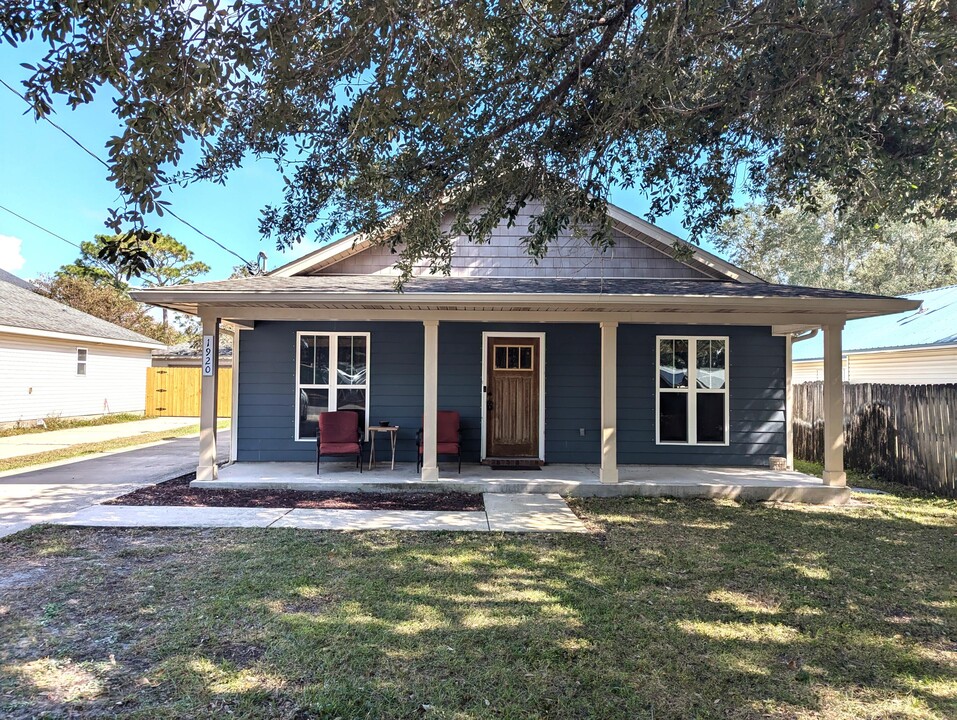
column 789, row 393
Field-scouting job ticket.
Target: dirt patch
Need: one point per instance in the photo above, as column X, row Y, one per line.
column 178, row 492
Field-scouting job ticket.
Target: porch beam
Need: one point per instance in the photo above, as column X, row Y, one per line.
column 209, row 387
column 657, row 317
column 609, row 402
column 833, row 407
column 430, row 404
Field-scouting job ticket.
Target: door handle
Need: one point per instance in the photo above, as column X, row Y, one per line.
column 489, row 404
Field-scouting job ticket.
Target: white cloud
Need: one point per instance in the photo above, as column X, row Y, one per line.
column 11, row 258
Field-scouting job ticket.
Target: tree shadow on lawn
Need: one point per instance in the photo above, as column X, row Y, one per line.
column 693, row 609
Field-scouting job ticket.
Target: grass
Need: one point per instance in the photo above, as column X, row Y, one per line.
column 73, row 451
column 671, row 609
column 55, row 422
column 858, row 479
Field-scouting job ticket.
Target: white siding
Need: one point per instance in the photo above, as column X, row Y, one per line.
column 505, row 256
column 928, row 366
column 38, row 378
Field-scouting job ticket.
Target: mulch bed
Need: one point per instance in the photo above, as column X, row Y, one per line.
column 178, row 492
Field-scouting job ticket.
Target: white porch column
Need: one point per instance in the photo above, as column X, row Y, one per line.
column 234, row 415
column 788, row 400
column 609, row 402
column 207, row 470
column 430, row 406
column 833, row 407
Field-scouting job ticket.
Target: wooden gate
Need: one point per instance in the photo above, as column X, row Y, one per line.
column 175, row 391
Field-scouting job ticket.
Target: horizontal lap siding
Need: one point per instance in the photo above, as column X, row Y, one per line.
column 572, row 390
column 756, row 377
column 571, row 385
column 38, row 378
column 267, row 386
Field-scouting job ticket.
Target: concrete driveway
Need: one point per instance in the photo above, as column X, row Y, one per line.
column 47, row 493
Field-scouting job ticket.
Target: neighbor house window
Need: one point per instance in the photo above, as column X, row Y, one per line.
column 692, row 390
column 332, row 374
column 81, row 355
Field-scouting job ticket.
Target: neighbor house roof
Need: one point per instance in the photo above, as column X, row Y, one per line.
column 13, row 279
column 596, row 294
column 934, row 324
column 23, row 311
column 189, row 350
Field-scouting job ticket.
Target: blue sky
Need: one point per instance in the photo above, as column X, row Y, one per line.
column 48, row 179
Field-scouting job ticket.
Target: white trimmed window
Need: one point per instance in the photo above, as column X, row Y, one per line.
column 81, row 357
column 691, row 398
column 332, row 374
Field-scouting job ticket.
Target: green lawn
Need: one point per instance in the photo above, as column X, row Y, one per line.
column 54, row 422
column 671, row 609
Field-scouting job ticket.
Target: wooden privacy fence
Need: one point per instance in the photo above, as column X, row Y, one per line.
column 904, row 433
column 175, row 391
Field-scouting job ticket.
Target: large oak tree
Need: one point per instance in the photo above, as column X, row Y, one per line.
column 411, row 109
column 822, row 249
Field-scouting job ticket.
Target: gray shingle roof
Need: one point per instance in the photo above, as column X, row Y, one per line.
column 345, row 284
column 23, row 308
column 19, row 282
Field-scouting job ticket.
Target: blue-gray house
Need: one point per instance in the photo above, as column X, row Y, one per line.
column 631, row 356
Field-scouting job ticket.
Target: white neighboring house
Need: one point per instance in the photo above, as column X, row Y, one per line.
column 58, row 361
column 918, row 347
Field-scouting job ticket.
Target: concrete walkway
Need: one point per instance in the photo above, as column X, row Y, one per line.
column 50, row 492
column 503, row 513
column 33, row 443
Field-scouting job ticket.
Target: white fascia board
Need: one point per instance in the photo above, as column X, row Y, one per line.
column 33, row 332
column 339, row 247
column 667, row 238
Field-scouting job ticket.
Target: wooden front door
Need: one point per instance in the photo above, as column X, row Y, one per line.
column 512, row 399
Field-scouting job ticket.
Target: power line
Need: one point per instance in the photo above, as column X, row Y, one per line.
column 102, row 162
column 45, row 117
column 40, row 227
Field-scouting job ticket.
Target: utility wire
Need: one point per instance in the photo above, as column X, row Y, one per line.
column 40, row 227
column 45, row 117
column 102, row 162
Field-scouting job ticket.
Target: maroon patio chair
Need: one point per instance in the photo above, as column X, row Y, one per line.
column 448, row 440
column 339, row 434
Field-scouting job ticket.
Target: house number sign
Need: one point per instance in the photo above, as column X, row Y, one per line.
column 207, row 355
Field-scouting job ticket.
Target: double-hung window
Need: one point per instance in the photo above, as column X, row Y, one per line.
column 692, row 390
column 332, row 374
column 81, row 358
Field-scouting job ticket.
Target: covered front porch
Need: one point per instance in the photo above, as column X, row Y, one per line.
column 737, row 483
column 602, row 392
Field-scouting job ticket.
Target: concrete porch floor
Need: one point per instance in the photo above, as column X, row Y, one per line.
column 566, row 480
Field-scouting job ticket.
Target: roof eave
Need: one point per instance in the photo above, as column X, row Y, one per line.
column 77, row 337
column 851, row 308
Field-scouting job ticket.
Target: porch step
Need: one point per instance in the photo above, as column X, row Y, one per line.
column 243, row 478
